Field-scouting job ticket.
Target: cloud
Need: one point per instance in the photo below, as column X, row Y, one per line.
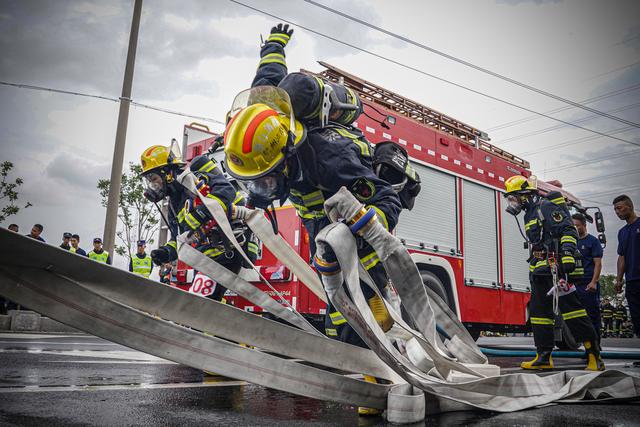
column 517, row 2
column 77, row 172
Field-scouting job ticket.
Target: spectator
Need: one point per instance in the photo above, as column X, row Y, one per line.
column 75, row 241
column 14, row 228
column 587, row 273
column 99, row 254
column 36, row 231
column 66, row 237
column 629, row 257
column 140, row 263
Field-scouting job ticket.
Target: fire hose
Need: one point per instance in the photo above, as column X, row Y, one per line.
column 429, row 375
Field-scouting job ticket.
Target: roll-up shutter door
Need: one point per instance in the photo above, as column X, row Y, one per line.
column 480, row 235
column 433, row 219
column 516, row 268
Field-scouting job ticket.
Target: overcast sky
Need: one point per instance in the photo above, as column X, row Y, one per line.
column 194, row 56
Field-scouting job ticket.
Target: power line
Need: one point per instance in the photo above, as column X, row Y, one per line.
column 471, row 65
column 597, row 159
column 556, row 127
column 393, row 61
column 573, row 142
column 614, row 70
column 604, row 193
column 601, row 177
column 565, row 108
column 107, row 98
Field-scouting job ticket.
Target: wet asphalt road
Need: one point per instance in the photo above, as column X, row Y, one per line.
column 63, row 380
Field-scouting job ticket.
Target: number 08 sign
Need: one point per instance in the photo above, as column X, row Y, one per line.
column 202, row 285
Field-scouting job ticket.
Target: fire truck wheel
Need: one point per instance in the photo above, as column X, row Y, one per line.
column 432, row 281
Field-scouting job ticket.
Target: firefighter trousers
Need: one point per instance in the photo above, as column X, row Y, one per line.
column 607, row 326
column 542, row 318
column 336, row 325
column 591, row 303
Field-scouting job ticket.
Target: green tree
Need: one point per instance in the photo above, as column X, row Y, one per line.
column 608, row 285
column 137, row 215
column 9, row 192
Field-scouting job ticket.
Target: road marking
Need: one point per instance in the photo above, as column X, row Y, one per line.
column 41, row 336
column 57, row 343
column 568, row 367
column 39, row 389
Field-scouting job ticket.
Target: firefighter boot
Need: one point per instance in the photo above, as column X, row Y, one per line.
column 594, row 361
column 542, row 361
column 380, row 313
column 364, row 411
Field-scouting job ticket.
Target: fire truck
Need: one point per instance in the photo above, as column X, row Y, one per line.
column 468, row 250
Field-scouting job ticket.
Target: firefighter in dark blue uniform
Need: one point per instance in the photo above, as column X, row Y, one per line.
column 278, row 157
column 161, row 167
column 552, row 238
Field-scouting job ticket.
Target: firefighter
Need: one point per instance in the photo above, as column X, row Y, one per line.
column 161, row 166
column 619, row 317
column 277, row 157
column 607, row 318
column 141, row 263
column 552, row 241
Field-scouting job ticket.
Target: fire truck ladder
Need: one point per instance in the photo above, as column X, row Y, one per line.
column 374, row 94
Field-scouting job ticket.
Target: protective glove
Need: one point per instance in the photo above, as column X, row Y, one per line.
column 568, row 262
column 160, row 256
column 280, row 34
column 240, row 213
column 343, row 204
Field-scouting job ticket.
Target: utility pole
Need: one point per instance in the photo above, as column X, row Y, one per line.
column 111, row 220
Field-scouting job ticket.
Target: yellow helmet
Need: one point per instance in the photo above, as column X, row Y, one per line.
column 255, row 140
column 519, row 183
column 159, row 156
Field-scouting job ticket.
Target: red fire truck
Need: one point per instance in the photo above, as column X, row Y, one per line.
column 467, row 248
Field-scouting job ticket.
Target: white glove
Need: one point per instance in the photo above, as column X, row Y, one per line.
column 343, row 204
column 240, row 213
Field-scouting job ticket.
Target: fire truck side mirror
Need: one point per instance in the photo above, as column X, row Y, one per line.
column 599, row 221
column 603, row 239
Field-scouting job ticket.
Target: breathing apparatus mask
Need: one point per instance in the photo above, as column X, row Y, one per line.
column 514, row 204
column 391, row 163
column 158, row 180
column 267, row 189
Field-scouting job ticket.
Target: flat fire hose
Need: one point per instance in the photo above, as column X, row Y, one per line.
column 503, row 393
column 226, row 278
column 186, row 309
column 261, row 228
column 77, row 306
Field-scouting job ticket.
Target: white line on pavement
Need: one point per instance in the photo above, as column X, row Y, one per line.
column 40, row 389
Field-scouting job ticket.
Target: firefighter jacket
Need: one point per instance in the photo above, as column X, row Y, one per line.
column 551, row 233
column 607, row 311
column 186, row 214
column 620, row 313
column 330, row 158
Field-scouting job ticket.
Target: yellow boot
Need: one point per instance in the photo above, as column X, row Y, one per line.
column 380, row 313
column 542, row 361
column 594, row 361
column 364, row 411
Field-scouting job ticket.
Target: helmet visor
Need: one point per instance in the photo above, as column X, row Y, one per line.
column 272, row 96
